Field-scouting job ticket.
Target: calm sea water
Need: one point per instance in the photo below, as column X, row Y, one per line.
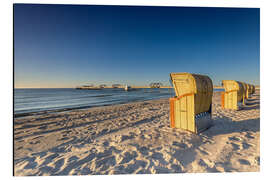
column 37, row 100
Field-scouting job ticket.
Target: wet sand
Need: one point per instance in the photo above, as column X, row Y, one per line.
column 136, row 138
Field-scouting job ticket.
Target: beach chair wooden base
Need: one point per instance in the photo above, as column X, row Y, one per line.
column 182, row 115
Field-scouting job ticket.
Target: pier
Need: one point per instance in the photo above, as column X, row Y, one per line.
column 132, row 87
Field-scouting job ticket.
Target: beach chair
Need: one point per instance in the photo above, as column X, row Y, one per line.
column 191, row 108
column 244, row 92
column 249, row 89
column 233, row 96
column 253, row 89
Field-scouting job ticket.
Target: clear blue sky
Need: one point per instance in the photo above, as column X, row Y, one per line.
column 66, row 45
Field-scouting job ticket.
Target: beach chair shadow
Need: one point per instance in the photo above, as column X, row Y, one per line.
column 225, row 125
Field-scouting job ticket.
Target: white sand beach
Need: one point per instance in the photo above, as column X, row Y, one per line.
column 136, row 138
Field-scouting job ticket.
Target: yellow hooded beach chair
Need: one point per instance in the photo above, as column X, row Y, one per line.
column 190, row 109
column 233, row 95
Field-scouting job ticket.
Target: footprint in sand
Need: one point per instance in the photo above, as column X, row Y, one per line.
column 159, row 157
column 176, row 168
column 104, row 154
column 131, row 168
column 210, row 166
column 246, row 145
column 49, row 159
column 129, row 157
column 106, row 143
column 126, row 137
column 202, row 163
column 63, row 138
column 243, row 162
column 118, row 169
column 58, row 150
column 106, row 163
column 85, row 171
column 181, row 145
column 248, row 135
column 35, row 142
column 203, row 151
column 73, row 158
column 235, row 146
column 234, row 138
column 45, row 170
column 143, row 150
column 19, row 148
column 58, row 164
column 40, row 154
column 31, row 163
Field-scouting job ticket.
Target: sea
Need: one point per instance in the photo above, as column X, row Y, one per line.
column 35, row 101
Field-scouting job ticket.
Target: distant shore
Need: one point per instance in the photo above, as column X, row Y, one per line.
column 136, row 138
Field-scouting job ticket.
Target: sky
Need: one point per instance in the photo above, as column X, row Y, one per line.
column 64, row 46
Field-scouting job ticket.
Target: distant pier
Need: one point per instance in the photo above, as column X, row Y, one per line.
column 119, row 87
column 132, row 87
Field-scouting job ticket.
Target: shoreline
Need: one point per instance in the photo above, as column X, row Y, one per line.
column 62, row 110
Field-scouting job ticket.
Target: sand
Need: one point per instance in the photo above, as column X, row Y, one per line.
column 136, row 138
